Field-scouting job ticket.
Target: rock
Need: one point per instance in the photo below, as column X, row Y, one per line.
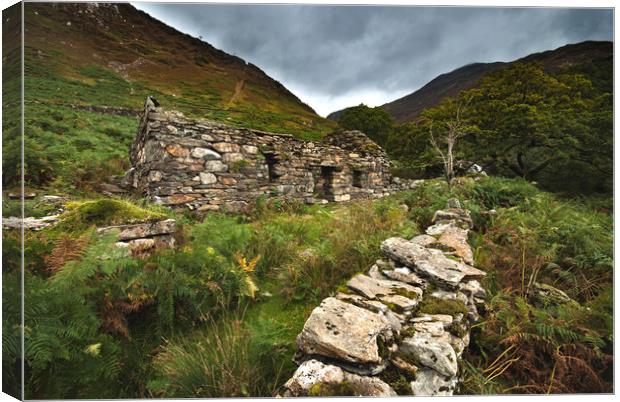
column 445, row 319
column 429, row 382
column 154, row 175
column 108, row 188
column 473, row 289
column 344, row 332
column 547, row 295
column 453, row 214
column 438, row 228
column 453, row 203
column 359, row 301
column 404, row 366
column 423, row 240
column 205, row 153
column 177, row 151
column 374, row 272
column 446, row 295
column 429, row 263
column 29, row 223
column 401, row 303
column 404, row 274
column 431, row 352
column 314, row 378
column 53, row 199
column 456, row 239
column 207, row 178
column 18, row 196
column 433, row 328
column 215, row 166
column 226, row 147
column 373, row 288
column 141, row 230
column 232, row 157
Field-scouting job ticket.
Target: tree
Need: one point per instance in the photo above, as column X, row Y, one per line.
column 445, row 136
column 375, row 122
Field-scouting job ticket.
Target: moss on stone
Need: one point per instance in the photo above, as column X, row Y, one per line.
column 407, row 293
column 397, row 379
column 332, row 389
column 434, row 305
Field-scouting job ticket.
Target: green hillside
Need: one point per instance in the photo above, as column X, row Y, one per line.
column 112, row 55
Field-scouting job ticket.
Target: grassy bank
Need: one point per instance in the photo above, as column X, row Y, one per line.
column 218, row 315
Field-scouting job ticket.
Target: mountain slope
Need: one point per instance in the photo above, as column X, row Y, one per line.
column 409, row 107
column 115, row 55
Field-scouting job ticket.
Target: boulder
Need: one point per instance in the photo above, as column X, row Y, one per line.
column 315, row 378
column 344, row 332
column 547, row 295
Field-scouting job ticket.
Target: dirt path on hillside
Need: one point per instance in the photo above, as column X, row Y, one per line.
column 238, row 89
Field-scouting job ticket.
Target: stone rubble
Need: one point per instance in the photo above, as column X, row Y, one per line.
column 141, row 239
column 352, row 341
column 207, row 166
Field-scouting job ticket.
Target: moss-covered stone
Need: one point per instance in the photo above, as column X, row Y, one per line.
column 433, row 305
column 332, row 389
column 399, row 380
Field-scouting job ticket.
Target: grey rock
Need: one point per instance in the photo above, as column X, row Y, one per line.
column 429, row 382
column 141, row 230
column 430, row 351
column 429, row 263
column 319, row 379
column 373, row 288
column 345, row 332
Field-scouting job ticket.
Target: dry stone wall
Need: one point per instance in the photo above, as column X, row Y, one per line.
column 401, row 327
column 203, row 165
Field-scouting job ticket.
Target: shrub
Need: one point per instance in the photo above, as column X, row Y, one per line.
column 81, row 215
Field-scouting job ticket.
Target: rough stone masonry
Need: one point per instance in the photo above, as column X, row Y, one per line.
column 377, row 338
column 206, row 166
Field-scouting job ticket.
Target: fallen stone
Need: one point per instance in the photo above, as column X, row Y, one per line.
column 314, row 378
column 141, row 230
column 547, row 295
column 18, row 196
column 29, row 223
column 345, row 332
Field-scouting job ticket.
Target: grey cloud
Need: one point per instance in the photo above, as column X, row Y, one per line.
column 332, row 55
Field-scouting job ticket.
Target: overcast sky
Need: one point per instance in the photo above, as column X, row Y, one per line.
column 332, row 57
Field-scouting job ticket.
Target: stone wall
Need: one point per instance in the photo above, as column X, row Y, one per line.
column 401, row 327
column 204, row 165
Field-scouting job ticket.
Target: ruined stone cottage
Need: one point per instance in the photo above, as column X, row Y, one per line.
column 204, row 165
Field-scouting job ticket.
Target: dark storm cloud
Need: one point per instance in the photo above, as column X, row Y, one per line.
column 337, row 56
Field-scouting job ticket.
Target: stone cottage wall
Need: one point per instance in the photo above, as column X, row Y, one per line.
column 204, row 165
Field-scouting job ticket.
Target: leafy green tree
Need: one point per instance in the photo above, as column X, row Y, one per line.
column 375, row 122
column 525, row 122
column 530, row 119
